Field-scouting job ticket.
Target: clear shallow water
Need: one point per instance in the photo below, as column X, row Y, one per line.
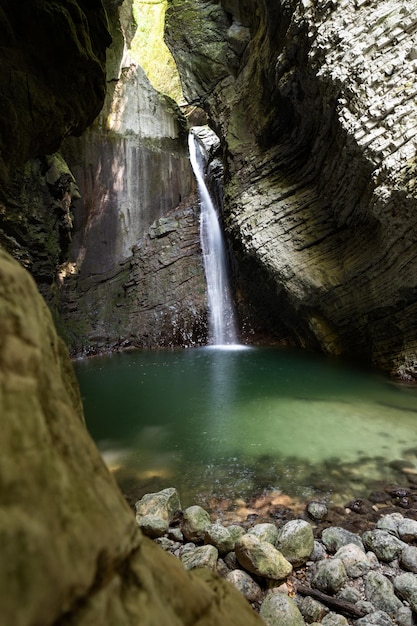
column 221, row 424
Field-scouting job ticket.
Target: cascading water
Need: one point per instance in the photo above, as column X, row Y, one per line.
column 222, row 325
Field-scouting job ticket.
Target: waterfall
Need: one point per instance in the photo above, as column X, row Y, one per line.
column 222, row 325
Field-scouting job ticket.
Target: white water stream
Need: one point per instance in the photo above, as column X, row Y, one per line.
column 222, row 325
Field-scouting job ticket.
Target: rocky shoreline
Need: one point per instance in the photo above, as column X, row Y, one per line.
column 335, row 566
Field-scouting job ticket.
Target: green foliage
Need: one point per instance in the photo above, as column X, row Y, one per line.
column 149, row 50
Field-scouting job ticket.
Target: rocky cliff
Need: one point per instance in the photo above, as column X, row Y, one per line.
column 134, row 274
column 315, row 107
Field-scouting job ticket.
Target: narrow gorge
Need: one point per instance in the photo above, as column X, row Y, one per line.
column 313, row 104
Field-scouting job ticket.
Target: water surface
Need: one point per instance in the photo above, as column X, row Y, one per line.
column 231, row 423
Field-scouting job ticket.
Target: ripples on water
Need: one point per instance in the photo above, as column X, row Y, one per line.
column 223, row 424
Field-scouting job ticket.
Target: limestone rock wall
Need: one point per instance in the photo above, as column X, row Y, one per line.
column 315, row 107
column 134, row 274
column 72, row 552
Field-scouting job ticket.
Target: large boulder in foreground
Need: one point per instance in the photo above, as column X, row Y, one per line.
column 70, row 543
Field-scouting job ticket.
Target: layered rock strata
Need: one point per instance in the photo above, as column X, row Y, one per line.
column 314, row 105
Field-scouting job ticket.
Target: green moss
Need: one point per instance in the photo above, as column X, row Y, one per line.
column 149, row 50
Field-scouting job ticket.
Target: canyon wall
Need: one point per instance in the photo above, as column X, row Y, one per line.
column 314, row 104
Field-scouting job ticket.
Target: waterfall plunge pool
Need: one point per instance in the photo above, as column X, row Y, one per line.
column 225, row 425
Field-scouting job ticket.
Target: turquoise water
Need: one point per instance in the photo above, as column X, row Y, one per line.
column 230, row 424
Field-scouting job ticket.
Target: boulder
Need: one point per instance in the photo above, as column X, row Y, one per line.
column 71, row 548
column 203, row 556
column 354, row 559
column 380, row 591
column 296, row 541
column 406, row 586
column 279, row 610
column 261, row 558
column 385, row 545
column 220, row 537
column 329, row 576
column 195, row 523
column 335, row 537
column 245, row 584
column 155, row 511
column 265, row 532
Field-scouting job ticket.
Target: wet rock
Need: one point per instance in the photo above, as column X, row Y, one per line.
column 406, row 586
column 246, row 585
column 329, row 576
column 203, row 556
column 220, row 537
column 195, row 523
column 336, row 537
column 380, row 591
column 261, row 558
column 383, row 543
column 354, row 559
column 317, row 510
column 279, row 610
column 265, row 532
column 296, row 541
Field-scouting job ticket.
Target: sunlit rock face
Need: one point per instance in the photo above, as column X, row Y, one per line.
column 315, row 107
column 134, row 275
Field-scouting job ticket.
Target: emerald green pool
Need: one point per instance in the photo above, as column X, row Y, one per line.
column 233, row 423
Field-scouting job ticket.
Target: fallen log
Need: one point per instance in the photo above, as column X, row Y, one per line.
column 341, row 606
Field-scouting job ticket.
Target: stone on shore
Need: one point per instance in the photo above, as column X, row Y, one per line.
column 265, row 532
column 335, row 537
column 380, row 591
column 408, row 559
column 279, row 610
column 220, row 537
column 261, row 558
column 296, row 541
column 406, row 586
column 245, row 584
column 155, row 511
column 195, row 523
column 354, row 559
column 383, row 543
column 203, row 556
column 330, row 575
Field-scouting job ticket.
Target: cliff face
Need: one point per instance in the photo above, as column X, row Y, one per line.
column 134, row 275
column 134, row 268
column 314, row 106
